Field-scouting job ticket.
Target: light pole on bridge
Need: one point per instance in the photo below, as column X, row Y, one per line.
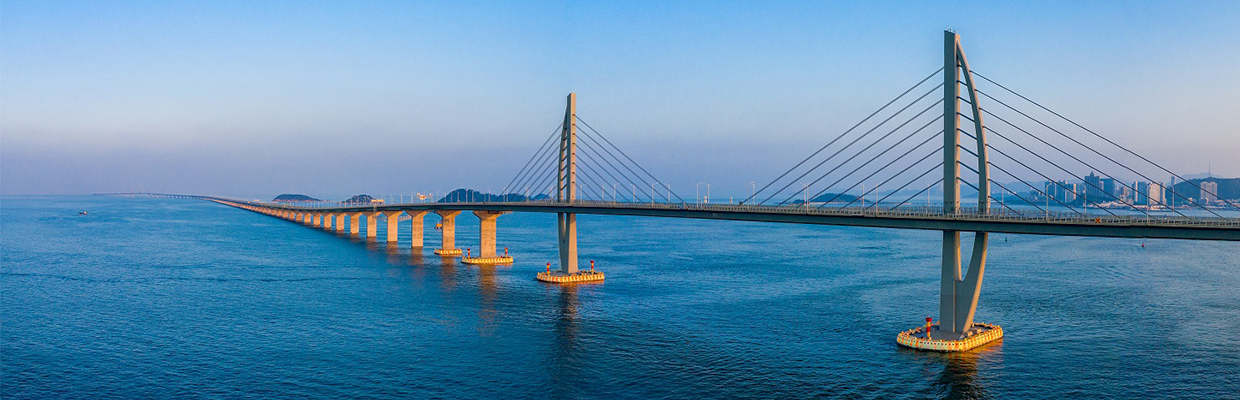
column 698, row 194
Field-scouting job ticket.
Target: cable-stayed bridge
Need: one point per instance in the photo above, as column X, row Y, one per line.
column 962, row 153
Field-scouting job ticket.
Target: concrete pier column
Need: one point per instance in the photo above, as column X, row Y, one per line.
column 568, row 242
column 486, row 232
column 328, row 220
column 447, row 228
column 372, row 225
column 417, row 228
column 486, row 241
column 317, row 220
column 355, row 219
column 392, row 219
column 340, row 222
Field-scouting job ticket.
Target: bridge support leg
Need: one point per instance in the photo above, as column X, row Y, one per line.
column 355, row 222
column 340, row 222
column 486, row 239
column 392, row 219
column 327, row 221
column 417, row 229
column 372, row 226
column 568, row 242
column 447, row 225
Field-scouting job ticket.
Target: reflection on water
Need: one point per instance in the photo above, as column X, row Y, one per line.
column 486, row 289
column 566, row 352
column 447, row 273
column 179, row 295
column 958, row 378
column 418, row 261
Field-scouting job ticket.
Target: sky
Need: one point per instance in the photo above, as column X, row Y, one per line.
column 254, row 99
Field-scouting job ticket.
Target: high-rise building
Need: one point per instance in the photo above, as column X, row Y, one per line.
column 1109, row 189
column 1170, row 196
column 1209, row 192
column 1093, row 187
column 1149, row 194
column 1061, row 191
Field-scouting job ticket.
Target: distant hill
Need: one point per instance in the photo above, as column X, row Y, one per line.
column 470, row 195
column 293, row 197
column 361, row 199
column 1228, row 188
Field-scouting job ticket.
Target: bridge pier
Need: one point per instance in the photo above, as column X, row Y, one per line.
column 392, row 221
column 417, row 228
column 447, row 228
column 340, row 223
column 355, row 222
column 486, row 240
column 372, row 226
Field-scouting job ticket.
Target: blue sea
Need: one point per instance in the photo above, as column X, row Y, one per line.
column 146, row 298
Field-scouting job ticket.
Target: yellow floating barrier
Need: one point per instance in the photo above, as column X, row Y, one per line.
column 449, row 252
column 982, row 333
column 487, row 260
column 579, row 277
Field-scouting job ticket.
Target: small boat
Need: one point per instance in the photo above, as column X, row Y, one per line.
column 82, row 213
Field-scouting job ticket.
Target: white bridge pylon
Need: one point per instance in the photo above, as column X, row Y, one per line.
column 959, row 293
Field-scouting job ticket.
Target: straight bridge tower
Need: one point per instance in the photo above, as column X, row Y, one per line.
column 566, row 193
column 959, row 292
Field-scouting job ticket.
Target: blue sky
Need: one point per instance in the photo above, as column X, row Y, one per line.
column 336, row 98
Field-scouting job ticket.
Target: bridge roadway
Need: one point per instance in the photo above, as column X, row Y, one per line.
column 925, row 218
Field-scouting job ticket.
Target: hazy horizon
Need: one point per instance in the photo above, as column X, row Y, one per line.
column 328, row 99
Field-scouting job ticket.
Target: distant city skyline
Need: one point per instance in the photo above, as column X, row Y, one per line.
column 335, row 99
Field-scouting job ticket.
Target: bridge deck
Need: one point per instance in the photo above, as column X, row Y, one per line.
column 997, row 221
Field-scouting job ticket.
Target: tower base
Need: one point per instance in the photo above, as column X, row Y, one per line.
column 498, row 260
column 981, row 334
column 579, row 277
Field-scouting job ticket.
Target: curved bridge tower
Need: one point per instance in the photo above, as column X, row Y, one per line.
column 959, row 292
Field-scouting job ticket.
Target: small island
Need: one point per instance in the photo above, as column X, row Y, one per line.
column 362, row 199
column 293, row 198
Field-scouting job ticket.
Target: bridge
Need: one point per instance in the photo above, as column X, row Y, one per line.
column 569, row 176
